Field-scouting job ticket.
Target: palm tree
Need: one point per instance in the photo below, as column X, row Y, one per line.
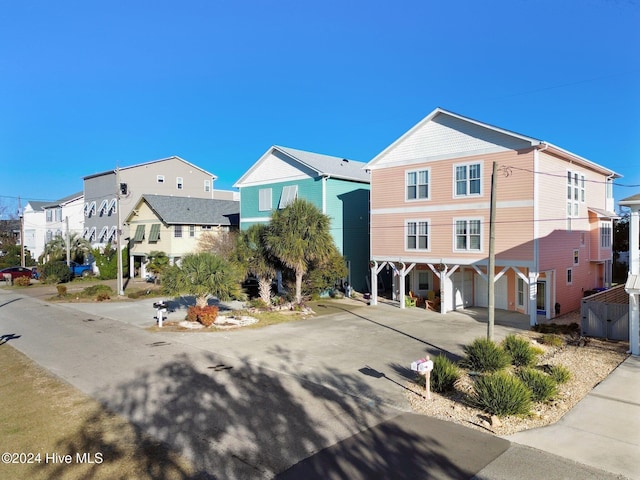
column 252, row 255
column 299, row 235
column 56, row 248
column 204, row 275
column 158, row 263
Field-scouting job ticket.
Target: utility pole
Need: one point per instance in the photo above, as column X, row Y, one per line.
column 491, row 270
column 118, row 235
column 22, row 260
column 68, row 242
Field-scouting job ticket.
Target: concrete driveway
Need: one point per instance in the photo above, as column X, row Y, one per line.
column 311, row 397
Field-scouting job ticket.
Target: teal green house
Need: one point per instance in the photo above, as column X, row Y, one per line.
column 337, row 186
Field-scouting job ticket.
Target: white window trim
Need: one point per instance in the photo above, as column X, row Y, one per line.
column 569, row 273
column 207, row 185
column 265, row 204
column 576, row 254
column 103, row 207
column 573, row 204
column 176, row 229
column 468, row 219
column 179, row 183
column 406, row 234
column 519, row 281
column 406, row 184
column 159, row 178
column 468, row 180
column 609, row 228
column 103, row 232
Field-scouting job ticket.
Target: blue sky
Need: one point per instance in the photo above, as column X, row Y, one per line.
column 90, row 85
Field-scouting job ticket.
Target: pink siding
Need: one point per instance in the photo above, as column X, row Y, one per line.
column 513, row 225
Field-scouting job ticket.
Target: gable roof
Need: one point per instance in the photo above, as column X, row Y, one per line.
column 629, row 201
column 64, row 200
column 320, row 164
column 509, row 138
column 37, row 205
column 173, row 157
column 192, row 211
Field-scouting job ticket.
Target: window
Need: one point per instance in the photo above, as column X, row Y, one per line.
column 177, row 231
column 569, row 276
column 179, row 183
column 206, row 227
column 139, row 235
column 289, row 194
column 192, row 231
column 575, row 193
column 264, row 199
column 417, row 185
column 521, row 297
column 576, row 257
column 58, row 214
column 605, row 234
column 160, row 178
column 467, row 180
column 49, row 215
column 467, row 235
column 207, row 185
column 417, row 235
column 423, row 280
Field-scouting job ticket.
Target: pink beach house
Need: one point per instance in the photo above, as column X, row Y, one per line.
column 430, row 218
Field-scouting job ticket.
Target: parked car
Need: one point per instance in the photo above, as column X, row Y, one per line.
column 15, row 272
column 80, row 270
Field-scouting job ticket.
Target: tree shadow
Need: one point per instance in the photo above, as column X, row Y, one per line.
column 232, row 419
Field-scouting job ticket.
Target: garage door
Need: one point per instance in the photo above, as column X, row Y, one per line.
column 482, row 294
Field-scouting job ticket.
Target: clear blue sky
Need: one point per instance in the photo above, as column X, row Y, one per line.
column 86, row 86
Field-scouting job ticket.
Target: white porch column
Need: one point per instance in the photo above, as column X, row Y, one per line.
column 132, row 270
column 374, row 282
column 634, row 324
column 634, row 269
column 533, row 295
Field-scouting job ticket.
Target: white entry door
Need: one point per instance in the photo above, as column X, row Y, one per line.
column 462, row 289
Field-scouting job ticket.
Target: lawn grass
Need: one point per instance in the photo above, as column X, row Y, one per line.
column 41, row 414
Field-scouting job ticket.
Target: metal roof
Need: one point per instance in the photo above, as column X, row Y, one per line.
column 329, row 165
column 194, row 211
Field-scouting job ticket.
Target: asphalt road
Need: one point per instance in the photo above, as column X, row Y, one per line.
column 323, row 398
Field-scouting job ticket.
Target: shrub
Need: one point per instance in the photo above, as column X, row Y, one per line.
column 542, row 386
column 571, row 328
column 96, row 290
column 559, row 373
column 62, row 290
column 101, row 297
column 501, row 394
column 205, row 315
column 443, row 376
column 56, row 272
column 484, row 355
column 552, row 340
column 22, row 281
column 520, row 350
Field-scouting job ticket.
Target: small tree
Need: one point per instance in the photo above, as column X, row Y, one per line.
column 254, row 259
column 107, row 261
column 324, row 275
column 204, row 275
column 299, row 235
column 221, row 243
column 158, row 263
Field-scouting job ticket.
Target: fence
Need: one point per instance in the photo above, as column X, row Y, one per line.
column 606, row 314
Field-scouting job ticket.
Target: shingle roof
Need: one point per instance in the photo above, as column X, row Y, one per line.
column 64, row 200
column 633, row 199
column 194, row 211
column 328, row 165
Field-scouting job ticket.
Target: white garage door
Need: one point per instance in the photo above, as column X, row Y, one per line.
column 482, row 294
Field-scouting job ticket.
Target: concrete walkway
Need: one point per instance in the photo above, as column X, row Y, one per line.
column 312, row 397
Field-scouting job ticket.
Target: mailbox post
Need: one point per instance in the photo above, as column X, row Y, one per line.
column 424, row 367
column 160, row 307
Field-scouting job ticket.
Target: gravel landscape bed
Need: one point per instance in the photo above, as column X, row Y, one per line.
column 589, row 362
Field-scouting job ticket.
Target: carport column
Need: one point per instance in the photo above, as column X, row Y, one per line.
column 634, row 324
column 401, row 274
column 634, row 269
column 533, row 298
column 373, row 265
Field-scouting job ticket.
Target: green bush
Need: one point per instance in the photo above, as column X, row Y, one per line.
column 443, row 376
column 552, row 340
column 501, row 394
column 56, row 272
column 97, row 289
column 484, row 355
column 520, row 350
column 559, row 373
column 542, row 386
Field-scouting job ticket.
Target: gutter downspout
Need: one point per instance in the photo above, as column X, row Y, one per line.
column 324, row 177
